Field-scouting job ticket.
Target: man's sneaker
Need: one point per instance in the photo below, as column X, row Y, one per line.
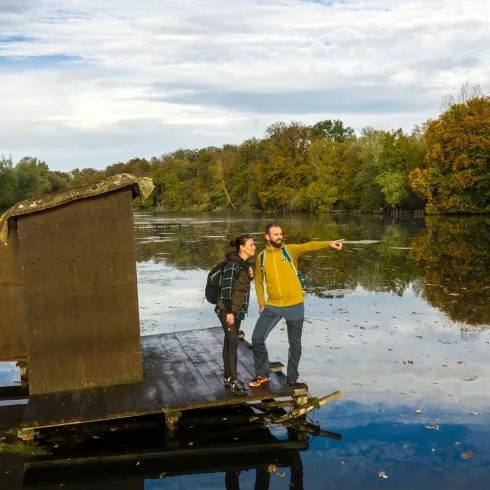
column 258, row 380
column 237, row 388
column 227, row 380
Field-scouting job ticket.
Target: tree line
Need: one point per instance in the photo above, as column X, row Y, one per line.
column 442, row 166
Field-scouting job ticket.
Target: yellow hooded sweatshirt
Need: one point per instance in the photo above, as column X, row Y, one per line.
column 283, row 286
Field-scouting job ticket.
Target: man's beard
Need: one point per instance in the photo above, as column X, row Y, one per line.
column 276, row 244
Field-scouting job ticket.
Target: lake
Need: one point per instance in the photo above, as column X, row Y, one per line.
column 398, row 321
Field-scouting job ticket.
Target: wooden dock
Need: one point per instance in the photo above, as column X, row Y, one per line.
column 158, row 226
column 181, row 371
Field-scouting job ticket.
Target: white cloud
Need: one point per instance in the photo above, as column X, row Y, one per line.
column 195, row 73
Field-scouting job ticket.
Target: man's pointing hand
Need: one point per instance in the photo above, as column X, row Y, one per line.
column 337, row 244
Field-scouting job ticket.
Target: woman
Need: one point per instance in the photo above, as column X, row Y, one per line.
column 233, row 305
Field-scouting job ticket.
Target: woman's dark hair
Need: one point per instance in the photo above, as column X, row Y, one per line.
column 239, row 240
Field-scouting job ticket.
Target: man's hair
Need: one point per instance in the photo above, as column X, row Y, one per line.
column 269, row 226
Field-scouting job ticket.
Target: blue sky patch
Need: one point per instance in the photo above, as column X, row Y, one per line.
column 16, row 39
column 36, row 62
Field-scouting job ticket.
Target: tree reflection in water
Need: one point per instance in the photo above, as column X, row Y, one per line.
column 444, row 260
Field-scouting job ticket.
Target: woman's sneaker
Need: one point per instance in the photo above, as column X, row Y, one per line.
column 237, row 388
column 258, row 380
column 227, row 381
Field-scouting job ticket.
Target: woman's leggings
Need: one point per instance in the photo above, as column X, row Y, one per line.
column 230, row 346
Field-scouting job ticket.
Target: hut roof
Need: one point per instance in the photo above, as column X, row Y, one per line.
column 142, row 187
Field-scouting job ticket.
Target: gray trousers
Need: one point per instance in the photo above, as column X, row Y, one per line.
column 268, row 319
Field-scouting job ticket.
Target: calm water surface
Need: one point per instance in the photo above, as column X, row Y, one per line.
column 398, row 322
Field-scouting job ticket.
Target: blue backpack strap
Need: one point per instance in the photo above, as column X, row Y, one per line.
column 261, row 255
column 286, row 255
column 290, row 260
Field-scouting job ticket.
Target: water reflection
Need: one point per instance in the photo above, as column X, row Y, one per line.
column 445, row 260
column 141, row 454
column 383, row 326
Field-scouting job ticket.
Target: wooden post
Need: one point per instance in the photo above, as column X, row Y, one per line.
column 24, row 376
column 300, row 400
column 305, row 407
column 172, row 419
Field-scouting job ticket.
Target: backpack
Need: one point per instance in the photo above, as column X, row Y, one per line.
column 212, row 290
column 289, row 259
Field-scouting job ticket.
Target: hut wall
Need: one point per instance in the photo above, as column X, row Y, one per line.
column 12, row 317
column 79, row 272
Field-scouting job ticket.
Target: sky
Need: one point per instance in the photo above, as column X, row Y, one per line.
column 88, row 83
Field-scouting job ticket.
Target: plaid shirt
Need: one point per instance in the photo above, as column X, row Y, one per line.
column 230, row 273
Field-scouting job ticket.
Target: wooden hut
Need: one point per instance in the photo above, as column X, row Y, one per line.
column 68, row 286
column 12, row 310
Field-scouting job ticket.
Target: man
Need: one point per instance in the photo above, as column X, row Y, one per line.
column 278, row 264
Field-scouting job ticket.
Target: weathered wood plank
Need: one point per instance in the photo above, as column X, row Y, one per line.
column 93, row 404
column 194, row 384
column 66, row 408
column 120, row 400
column 246, row 358
column 182, row 371
column 12, row 318
column 78, row 270
column 169, row 386
column 147, row 395
column 13, row 392
column 215, row 347
column 209, row 369
column 38, row 410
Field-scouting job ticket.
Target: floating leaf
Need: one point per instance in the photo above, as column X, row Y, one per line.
column 467, row 455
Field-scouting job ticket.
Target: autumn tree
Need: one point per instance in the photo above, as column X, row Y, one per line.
column 455, row 174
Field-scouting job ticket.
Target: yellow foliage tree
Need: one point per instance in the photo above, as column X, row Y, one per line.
column 455, row 177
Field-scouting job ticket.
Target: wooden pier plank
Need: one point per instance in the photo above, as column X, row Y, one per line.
column 147, row 395
column 66, row 407
column 38, row 410
column 210, row 370
column 244, row 354
column 182, row 371
column 169, row 387
column 214, row 347
column 192, row 381
column 120, row 401
column 93, row 404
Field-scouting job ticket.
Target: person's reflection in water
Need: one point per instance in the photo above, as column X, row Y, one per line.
column 231, row 480
column 263, row 476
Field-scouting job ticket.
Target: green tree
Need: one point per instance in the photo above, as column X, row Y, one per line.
column 8, row 183
column 332, row 131
column 285, row 170
column 325, row 158
column 371, row 152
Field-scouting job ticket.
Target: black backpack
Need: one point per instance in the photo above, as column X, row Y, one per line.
column 214, row 282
